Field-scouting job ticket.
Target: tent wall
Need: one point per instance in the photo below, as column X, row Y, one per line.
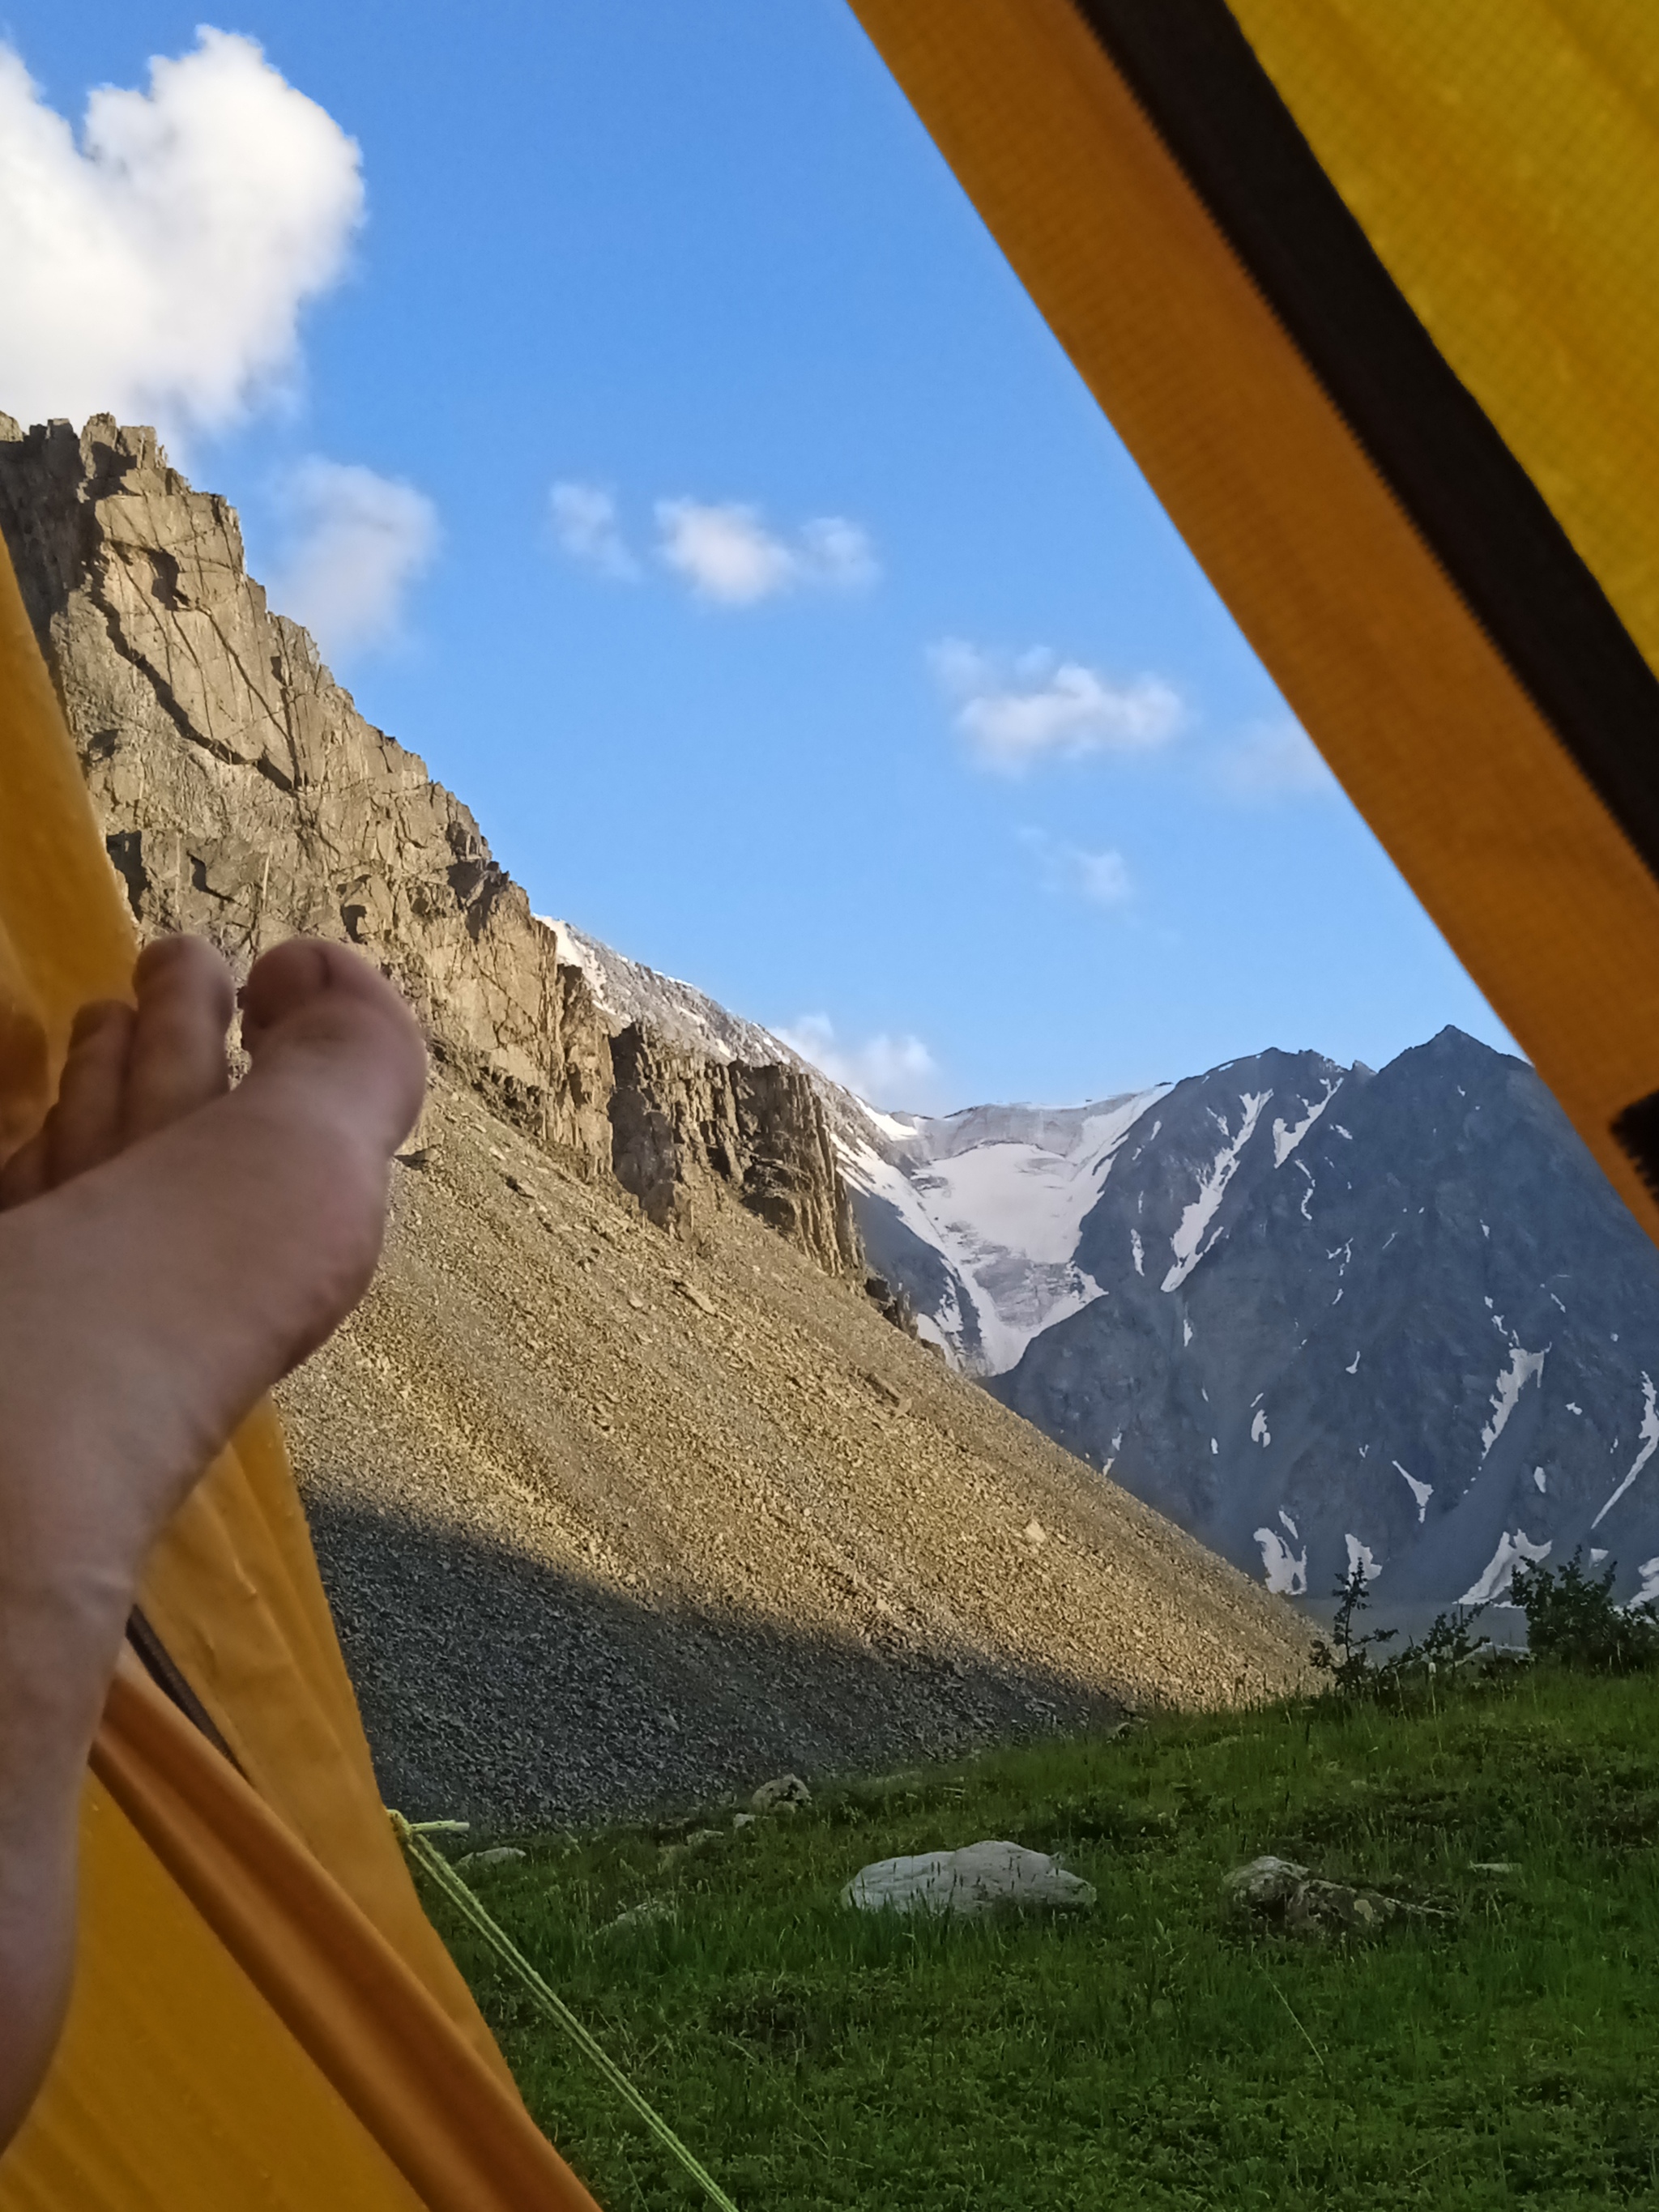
column 263, row 2016
column 1158, row 277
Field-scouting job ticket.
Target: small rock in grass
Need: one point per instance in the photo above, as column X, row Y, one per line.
column 698, row 1840
column 1494, row 1866
column 786, row 1794
column 645, row 1915
column 501, row 1855
column 1034, row 1535
column 745, row 1819
column 1287, row 1896
column 966, row 1884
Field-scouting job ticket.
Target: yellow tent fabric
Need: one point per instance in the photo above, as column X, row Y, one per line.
column 263, row 2015
column 1497, row 167
column 1366, row 292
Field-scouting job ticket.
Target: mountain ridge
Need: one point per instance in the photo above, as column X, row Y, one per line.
column 1036, row 1254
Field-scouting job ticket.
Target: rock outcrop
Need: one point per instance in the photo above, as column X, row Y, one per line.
column 681, row 1122
column 244, row 796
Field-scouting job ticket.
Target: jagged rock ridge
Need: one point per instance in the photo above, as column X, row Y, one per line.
column 244, row 796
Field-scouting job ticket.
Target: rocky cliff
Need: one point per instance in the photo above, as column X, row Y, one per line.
column 682, row 1121
column 605, row 1515
column 244, row 796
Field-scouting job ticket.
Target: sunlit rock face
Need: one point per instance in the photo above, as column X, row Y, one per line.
column 243, row 797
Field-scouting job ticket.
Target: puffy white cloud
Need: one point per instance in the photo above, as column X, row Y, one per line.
column 727, row 554
column 1274, row 760
column 889, row 1071
column 587, row 526
column 1038, row 706
column 1102, row 878
column 157, row 267
column 357, row 542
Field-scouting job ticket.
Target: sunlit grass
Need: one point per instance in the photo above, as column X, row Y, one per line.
column 1154, row 2051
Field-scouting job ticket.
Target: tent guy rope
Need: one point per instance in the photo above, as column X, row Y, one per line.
column 414, row 1835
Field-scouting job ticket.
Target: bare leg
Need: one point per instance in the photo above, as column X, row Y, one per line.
column 170, row 1248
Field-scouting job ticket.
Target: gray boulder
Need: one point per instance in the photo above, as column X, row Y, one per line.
column 980, row 1879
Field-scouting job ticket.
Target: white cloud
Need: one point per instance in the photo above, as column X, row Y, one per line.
column 1037, row 706
column 1102, row 878
column 892, row 1072
column 357, row 542
column 156, row 268
column 727, row 554
column 588, row 528
column 1273, row 759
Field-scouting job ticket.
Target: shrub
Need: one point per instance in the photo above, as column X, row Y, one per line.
column 1571, row 1618
column 1348, row 1658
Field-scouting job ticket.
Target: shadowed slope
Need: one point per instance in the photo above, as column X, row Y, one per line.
column 609, row 1515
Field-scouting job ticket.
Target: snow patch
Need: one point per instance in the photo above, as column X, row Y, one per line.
column 1307, row 1194
column 1260, row 1434
column 1524, row 1367
column 1185, row 1331
column 1138, row 1251
column 1649, row 1438
column 1500, row 1568
column 1422, row 1492
column 1286, row 1139
column 1539, row 1481
column 1353, row 1370
column 1290, row 1524
column 1005, row 1212
column 1361, row 1560
column 1285, row 1572
column 1187, row 1243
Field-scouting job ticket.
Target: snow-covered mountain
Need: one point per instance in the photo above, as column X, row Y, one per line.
column 1317, row 1314
column 1399, row 1319
column 978, row 1215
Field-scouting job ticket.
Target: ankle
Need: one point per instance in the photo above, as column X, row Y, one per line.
column 60, row 1637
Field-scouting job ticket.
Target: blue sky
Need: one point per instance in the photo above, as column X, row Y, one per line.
column 853, row 674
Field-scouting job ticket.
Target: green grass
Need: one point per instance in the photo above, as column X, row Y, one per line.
column 1155, row 2051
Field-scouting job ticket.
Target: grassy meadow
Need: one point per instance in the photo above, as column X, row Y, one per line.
column 1157, row 2051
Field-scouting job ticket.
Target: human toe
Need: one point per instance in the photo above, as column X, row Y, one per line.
column 177, row 1062
column 309, row 996
column 83, row 1129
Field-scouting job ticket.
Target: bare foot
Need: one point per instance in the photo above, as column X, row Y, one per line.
column 170, row 1248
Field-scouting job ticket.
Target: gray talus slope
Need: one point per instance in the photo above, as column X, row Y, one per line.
column 608, row 1517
